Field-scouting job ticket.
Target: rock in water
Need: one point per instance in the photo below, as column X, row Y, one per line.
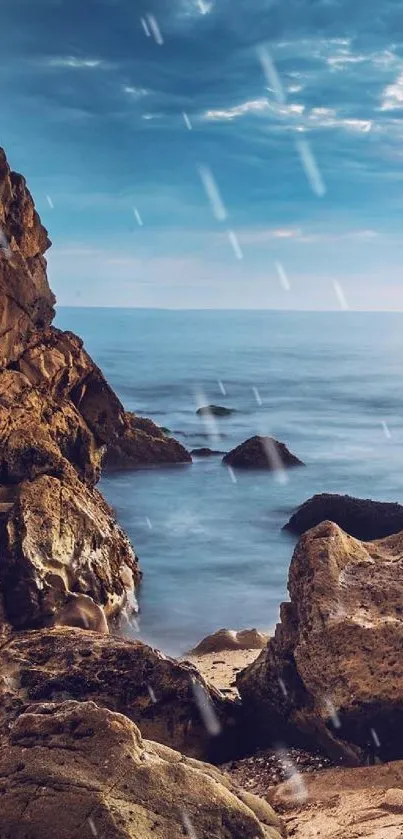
column 360, row 517
column 261, row 453
column 73, row 769
column 204, row 452
column 332, row 675
column 215, row 411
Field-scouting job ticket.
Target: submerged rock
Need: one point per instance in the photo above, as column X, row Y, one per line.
column 228, row 639
column 331, row 676
column 161, row 695
column 215, row 411
column 262, row 453
column 204, row 452
column 74, row 769
column 360, row 517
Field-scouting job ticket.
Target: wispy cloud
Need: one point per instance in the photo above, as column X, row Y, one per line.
column 254, row 106
column 392, row 96
column 75, row 63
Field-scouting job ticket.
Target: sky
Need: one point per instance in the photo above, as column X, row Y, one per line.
column 211, row 153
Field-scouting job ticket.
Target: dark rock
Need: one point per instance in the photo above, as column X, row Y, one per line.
column 360, row 517
column 331, row 676
column 261, row 453
column 215, row 411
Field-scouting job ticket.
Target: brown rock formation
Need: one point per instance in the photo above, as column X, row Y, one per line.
column 79, row 770
column 59, row 420
column 332, row 673
column 129, row 677
column 360, row 517
column 228, row 639
column 261, row 453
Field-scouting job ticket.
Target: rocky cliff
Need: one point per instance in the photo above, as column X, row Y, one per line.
column 59, row 422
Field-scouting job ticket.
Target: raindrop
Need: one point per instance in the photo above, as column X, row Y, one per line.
column 340, row 295
column 92, row 827
column 206, row 709
column 386, row 430
column 271, row 74
column 222, row 388
column 138, row 217
column 148, row 523
column 152, row 695
column 310, row 167
column 283, row 276
column 331, row 710
column 153, row 24
column 187, row 121
column 232, row 474
column 375, row 738
column 145, row 27
column 283, row 687
column 213, row 193
column 257, row 396
column 235, row 244
column 50, row 202
column 296, row 783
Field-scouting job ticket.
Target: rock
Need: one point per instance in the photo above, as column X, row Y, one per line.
column 60, row 537
column 228, row 639
column 161, row 695
column 360, row 517
column 215, row 411
column 26, row 301
column 331, row 676
column 84, row 771
column 393, row 800
column 261, row 453
column 204, row 452
column 136, row 447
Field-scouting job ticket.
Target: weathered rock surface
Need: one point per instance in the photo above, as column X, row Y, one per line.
column 78, row 770
column 215, row 411
column 60, row 537
column 261, row 453
column 204, row 452
column 26, row 301
column 332, row 674
column 360, row 517
column 228, row 639
column 162, row 696
column 343, row 803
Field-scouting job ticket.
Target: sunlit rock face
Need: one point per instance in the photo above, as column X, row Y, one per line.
column 332, row 674
column 59, row 422
column 74, row 769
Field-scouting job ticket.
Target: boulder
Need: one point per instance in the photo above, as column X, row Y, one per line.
column 80, row 770
column 26, row 301
column 228, row 639
column 261, row 453
column 60, row 537
column 331, row 676
column 162, row 696
column 360, row 517
column 215, row 411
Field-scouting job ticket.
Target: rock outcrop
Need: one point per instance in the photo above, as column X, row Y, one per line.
column 167, row 699
column 215, row 411
column 360, row 517
column 74, row 769
column 332, row 674
column 60, row 422
column 228, row 639
column 262, row 453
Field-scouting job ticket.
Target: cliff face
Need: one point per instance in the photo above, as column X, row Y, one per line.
column 59, row 419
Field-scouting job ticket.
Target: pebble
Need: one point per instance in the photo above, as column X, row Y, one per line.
column 265, row 769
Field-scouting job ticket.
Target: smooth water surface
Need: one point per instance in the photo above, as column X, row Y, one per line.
column 330, row 384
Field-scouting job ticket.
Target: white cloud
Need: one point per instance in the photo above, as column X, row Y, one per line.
column 136, row 92
column 254, row 106
column 297, row 235
column 327, row 118
column 339, row 62
column 294, row 88
column 392, row 97
column 75, row 63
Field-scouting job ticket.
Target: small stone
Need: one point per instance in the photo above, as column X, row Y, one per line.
column 393, row 800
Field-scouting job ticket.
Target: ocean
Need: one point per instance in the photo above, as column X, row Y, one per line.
column 329, row 385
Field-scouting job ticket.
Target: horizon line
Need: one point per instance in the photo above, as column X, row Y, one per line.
column 227, row 309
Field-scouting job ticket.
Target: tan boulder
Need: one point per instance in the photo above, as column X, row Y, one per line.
column 60, row 537
column 169, row 701
column 83, row 771
column 229, row 639
column 332, row 675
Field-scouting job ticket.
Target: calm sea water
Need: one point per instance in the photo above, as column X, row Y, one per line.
column 211, row 550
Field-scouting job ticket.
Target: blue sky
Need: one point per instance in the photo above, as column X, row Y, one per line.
column 291, row 111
